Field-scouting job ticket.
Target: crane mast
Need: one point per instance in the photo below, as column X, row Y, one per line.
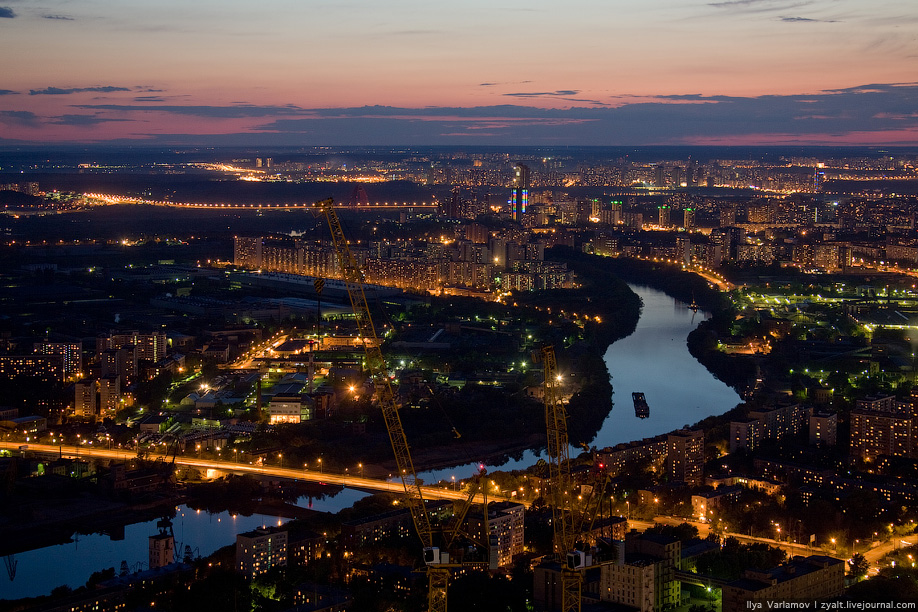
column 563, row 515
column 376, row 365
column 437, row 567
column 570, row 523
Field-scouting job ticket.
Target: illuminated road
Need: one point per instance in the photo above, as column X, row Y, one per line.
column 708, row 275
column 247, row 361
column 344, row 480
column 105, row 199
column 719, row 282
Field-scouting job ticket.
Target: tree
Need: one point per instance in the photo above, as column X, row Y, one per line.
column 101, row 576
column 858, row 565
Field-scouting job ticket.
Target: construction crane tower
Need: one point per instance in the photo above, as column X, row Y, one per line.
column 569, row 518
column 437, row 560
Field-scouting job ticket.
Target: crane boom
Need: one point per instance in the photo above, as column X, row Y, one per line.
column 437, row 570
column 376, row 364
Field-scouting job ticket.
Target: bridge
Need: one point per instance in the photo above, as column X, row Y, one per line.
column 107, row 199
column 321, row 477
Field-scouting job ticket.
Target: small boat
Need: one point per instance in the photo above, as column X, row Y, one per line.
column 641, row 409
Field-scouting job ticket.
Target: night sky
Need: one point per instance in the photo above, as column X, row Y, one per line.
column 582, row 72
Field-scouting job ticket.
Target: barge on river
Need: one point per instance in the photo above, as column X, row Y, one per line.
column 641, row 409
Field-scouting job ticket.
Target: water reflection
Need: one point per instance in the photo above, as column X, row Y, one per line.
column 38, row 571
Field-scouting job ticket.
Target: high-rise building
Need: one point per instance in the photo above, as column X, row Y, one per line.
column 761, row 212
column 643, row 576
column 109, row 395
column 876, row 432
column 690, row 173
column 677, row 176
column 118, row 362
column 505, row 525
column 84, row 400
column 247, row 252
column 664, row 216
column 685, row 456
column 161, row 550
column 519, row 191
column 71, row 354
column 823, row 428
column 746, row 434
column 39, row 366
column 260, row 550
column 150, row 346
column 688, row 221
column 684, row 249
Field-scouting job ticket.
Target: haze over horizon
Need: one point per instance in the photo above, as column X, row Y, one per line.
column 659, row 72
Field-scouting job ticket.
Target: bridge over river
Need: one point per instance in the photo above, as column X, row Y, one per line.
column 345, row 480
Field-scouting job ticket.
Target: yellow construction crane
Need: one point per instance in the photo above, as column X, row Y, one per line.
column 436, row 559
column 569, row 521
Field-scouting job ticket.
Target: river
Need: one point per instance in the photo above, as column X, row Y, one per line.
column 654, row 360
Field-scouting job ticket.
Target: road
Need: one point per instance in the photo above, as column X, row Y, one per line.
column 105, row 199
column 247, row 361
column 876, row 553
column 791, row 548
column 721, row 283
column 344, row 480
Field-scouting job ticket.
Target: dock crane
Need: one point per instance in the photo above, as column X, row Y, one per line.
column 569, row 522
column 437, row 561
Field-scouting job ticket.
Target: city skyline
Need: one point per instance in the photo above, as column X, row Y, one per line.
column 745, row 72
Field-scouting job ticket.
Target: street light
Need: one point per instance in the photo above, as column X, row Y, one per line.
column 320, row 465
